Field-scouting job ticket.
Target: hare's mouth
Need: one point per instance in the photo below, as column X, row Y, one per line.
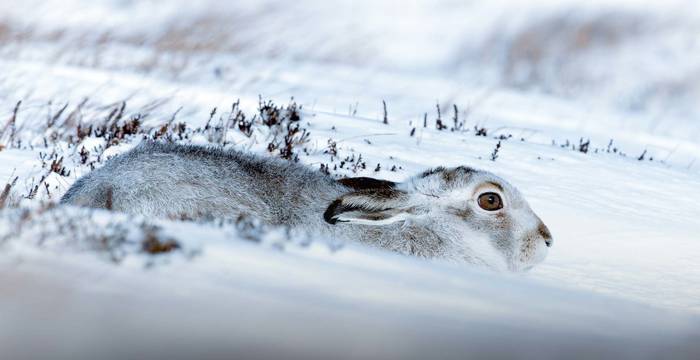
column 534, row 250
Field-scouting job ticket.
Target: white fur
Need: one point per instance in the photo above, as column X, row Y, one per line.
column 431, row 215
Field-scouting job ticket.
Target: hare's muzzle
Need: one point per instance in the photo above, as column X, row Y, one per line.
column 545, row 234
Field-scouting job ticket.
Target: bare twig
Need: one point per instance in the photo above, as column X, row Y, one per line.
column 386, row 118
column 11, row 123
column 494, row 154
column 6, row 192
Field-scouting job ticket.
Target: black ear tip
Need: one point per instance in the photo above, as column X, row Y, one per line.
column 331, row 212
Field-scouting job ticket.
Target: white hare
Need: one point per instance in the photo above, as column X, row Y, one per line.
column 459, row 214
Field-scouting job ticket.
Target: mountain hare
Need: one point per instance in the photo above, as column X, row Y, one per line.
column 459, row 214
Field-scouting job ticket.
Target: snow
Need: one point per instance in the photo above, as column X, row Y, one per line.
column 620, row 281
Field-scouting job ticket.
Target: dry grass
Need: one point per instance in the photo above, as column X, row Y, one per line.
column 154, row 243
column 172, row 49
column 61, row 228
column 73, row 139
column 5, row 31
column 548, row 48
column 207, row 33
column 5, row 195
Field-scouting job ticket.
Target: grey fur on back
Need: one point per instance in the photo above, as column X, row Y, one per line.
column 193, row 182
column 190, row 182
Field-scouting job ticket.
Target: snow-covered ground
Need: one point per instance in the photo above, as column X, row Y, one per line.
column 542, row 77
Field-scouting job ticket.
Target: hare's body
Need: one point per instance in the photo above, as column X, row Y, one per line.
column 191, row 182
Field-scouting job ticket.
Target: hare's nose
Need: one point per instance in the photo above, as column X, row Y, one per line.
column 546, row 235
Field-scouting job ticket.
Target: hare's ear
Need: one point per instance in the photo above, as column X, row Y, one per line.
column 365, row 183
column 369, row 207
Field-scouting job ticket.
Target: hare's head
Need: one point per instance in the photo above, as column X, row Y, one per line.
column 457, row 213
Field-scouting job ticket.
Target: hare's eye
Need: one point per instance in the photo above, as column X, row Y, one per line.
column 490, row 201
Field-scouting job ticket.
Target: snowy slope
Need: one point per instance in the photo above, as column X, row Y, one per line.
column 305, row 301
column 624, row 268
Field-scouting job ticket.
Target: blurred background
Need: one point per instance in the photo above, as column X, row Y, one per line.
column 638, row 61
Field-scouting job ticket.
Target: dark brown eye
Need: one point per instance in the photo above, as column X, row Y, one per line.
column 490, row 201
